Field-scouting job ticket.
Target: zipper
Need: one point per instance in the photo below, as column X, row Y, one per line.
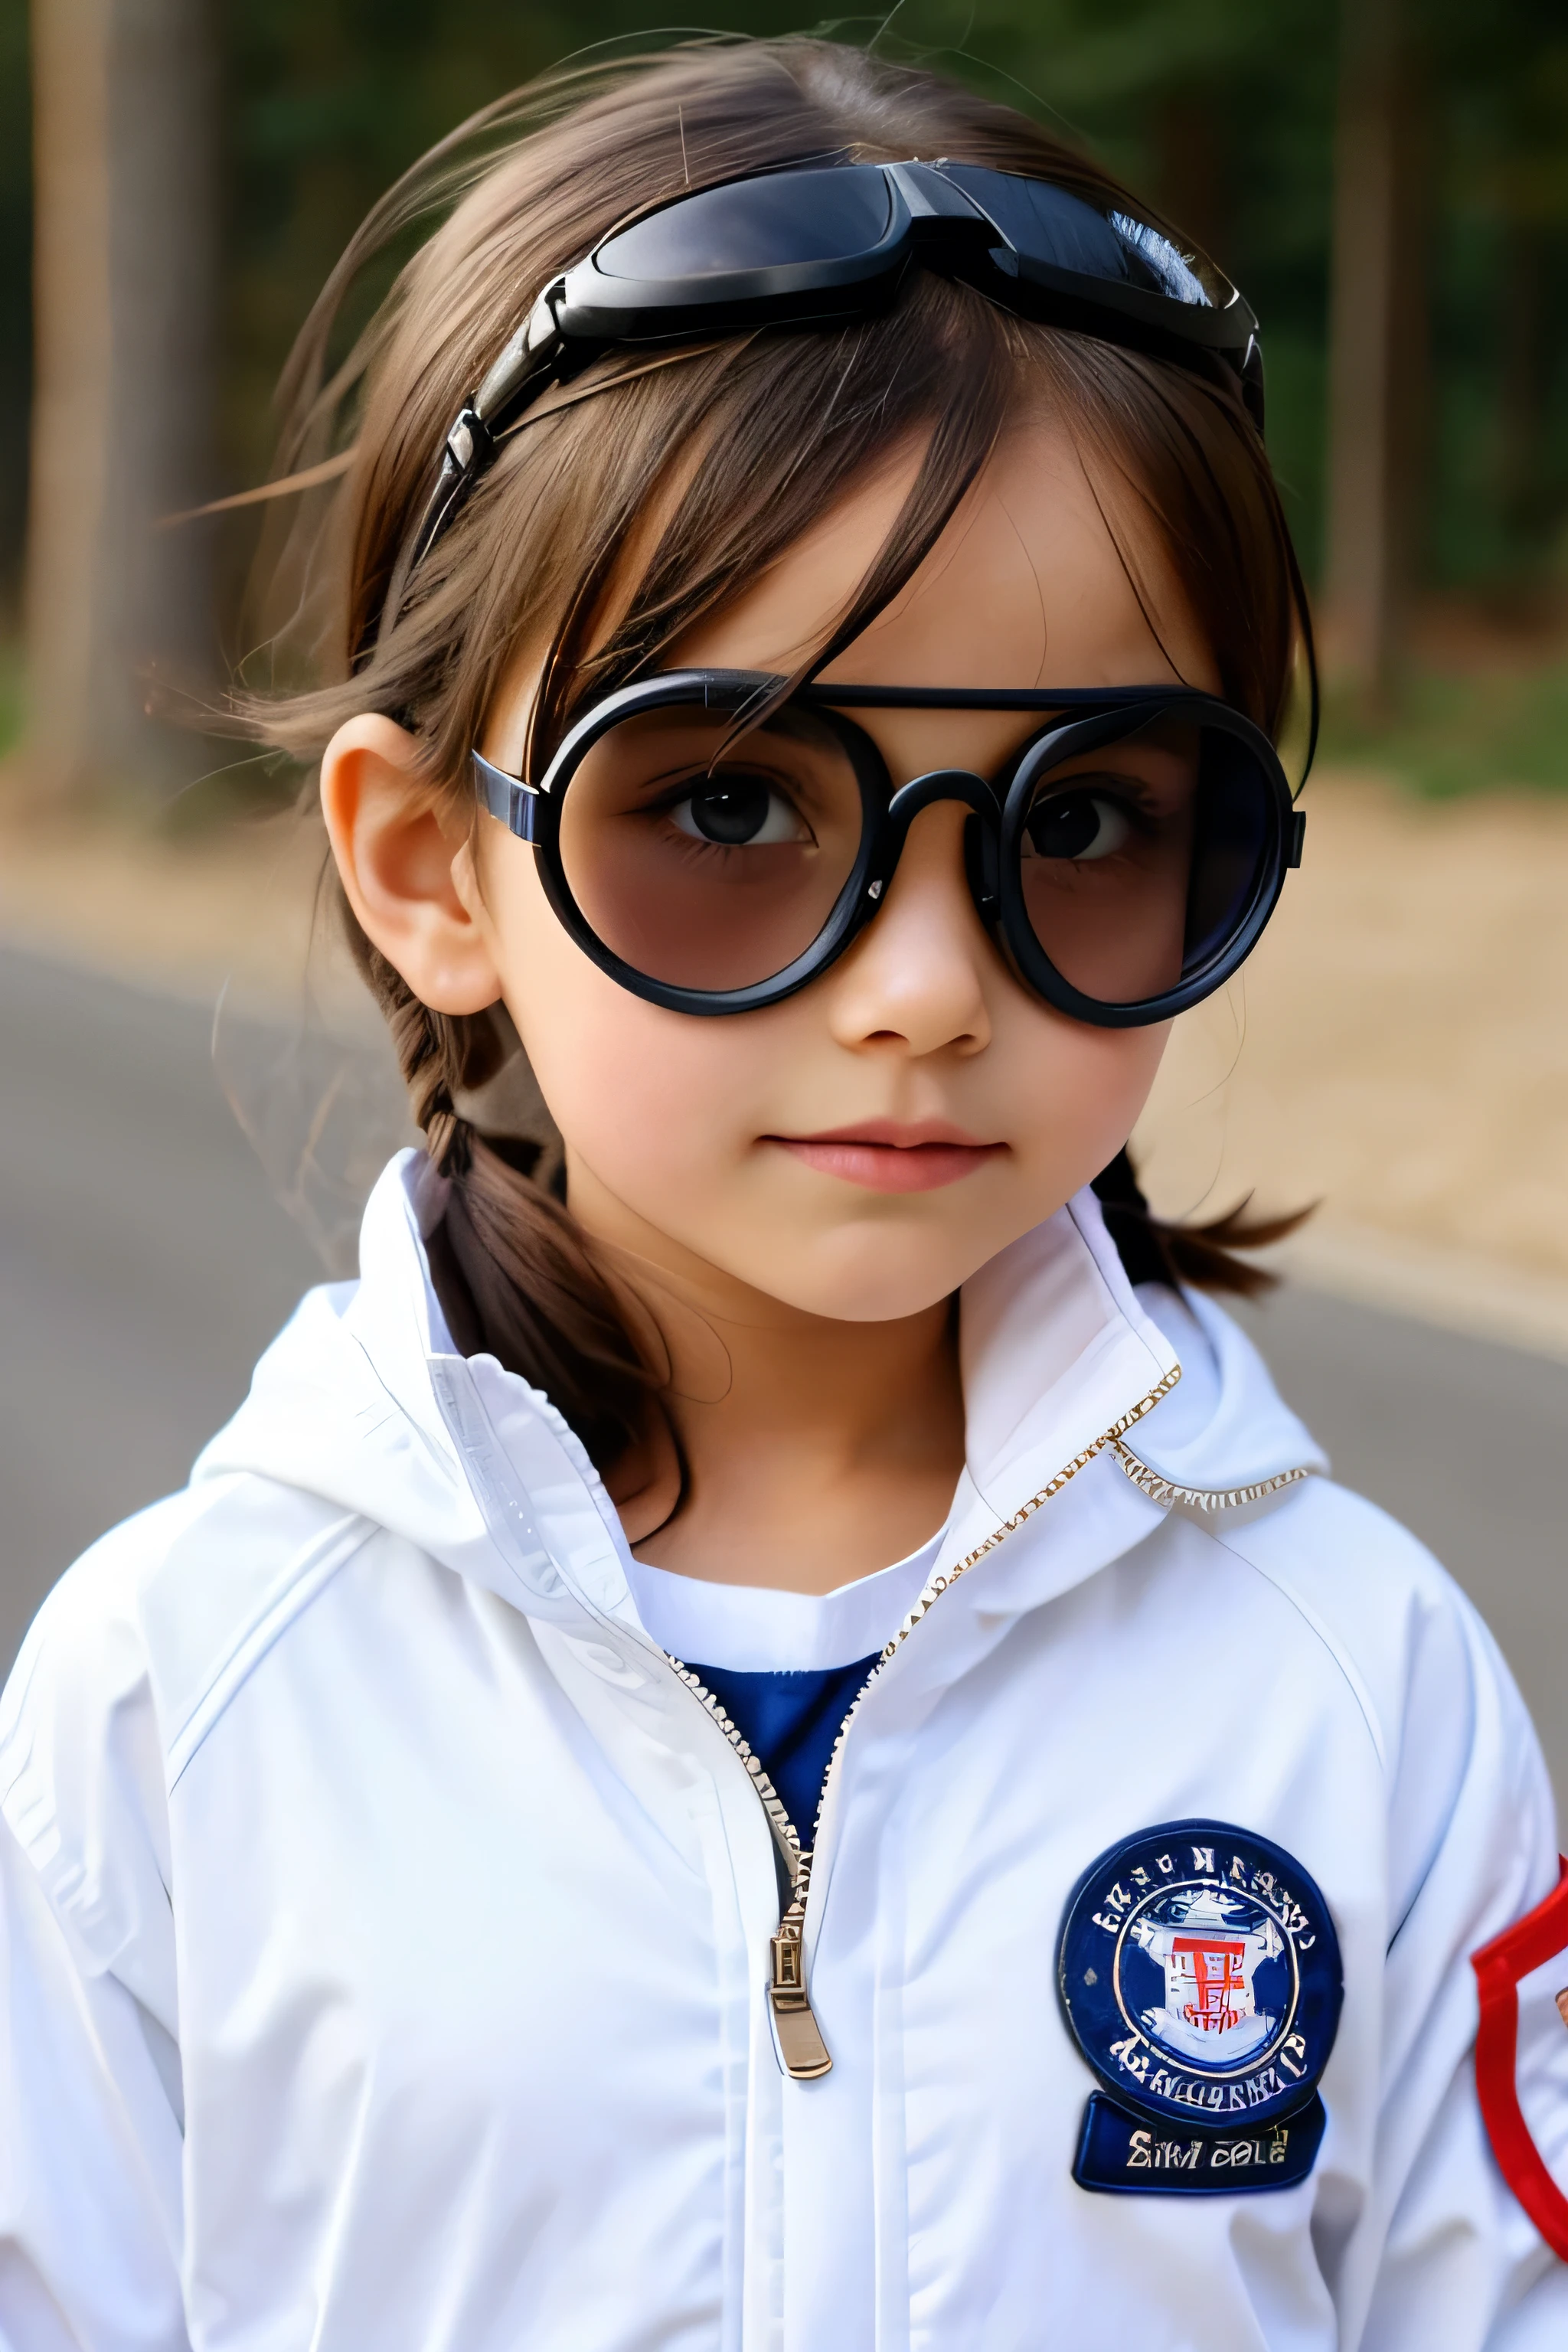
column 805, row 2053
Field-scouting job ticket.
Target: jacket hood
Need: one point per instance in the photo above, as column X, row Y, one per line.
column 363, row 1400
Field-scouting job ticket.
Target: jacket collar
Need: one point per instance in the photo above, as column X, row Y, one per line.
column 363, row 1399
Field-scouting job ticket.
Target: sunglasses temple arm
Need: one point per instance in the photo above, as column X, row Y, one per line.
column 506, row 797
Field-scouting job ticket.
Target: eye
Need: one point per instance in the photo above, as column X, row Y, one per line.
column 1080, row 826
column 739, row 811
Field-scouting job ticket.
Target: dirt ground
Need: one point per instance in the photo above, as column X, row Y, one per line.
column 1397, row 1048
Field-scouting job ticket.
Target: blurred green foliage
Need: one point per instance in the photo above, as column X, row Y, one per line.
column 1464, row 731
column 1221, row 110
column 1224, row 109
column 341, row 97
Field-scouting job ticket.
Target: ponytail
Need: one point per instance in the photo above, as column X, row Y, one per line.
column 1201, row 1258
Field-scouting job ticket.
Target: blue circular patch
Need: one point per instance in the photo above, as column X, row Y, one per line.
column 1200, row 1974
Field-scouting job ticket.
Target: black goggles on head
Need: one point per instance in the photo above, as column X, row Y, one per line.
column 818, row 244
column 713, row 850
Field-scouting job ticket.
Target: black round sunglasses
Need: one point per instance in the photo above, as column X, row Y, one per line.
column 714, row 848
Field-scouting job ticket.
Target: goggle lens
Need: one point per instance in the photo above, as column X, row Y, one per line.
column 828, row 215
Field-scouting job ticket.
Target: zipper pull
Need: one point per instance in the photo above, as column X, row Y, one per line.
column 801, row 2045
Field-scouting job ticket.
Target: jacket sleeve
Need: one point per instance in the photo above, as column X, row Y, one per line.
column 1493, row 1859
column 90, row 2138
column 1447, row 2255
column 1421, row 2240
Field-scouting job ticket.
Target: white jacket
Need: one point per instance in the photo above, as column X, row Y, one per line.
column 386, row 1925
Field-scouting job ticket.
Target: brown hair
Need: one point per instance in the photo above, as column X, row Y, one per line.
column 750, row 439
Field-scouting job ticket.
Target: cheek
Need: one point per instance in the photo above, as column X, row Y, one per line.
column 647, row 1110
column 1078, row 1092
column 647, row 1097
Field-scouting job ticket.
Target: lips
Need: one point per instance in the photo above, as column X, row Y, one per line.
column 885, row 1155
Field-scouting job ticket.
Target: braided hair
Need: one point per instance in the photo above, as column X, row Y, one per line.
column 513, row 1271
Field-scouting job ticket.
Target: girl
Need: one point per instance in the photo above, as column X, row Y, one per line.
column 503, row 1859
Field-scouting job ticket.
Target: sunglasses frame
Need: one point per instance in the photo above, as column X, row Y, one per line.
column 1000, row 805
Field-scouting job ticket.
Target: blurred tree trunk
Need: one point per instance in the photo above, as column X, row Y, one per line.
column 124, row 141
column 1377, row 350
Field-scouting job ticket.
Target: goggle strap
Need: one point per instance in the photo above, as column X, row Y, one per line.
column 471, row 445
column 531, row 354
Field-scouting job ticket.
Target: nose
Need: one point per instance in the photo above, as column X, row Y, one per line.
column 916, row 980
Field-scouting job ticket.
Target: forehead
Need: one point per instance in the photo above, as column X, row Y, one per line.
column 1026, row 587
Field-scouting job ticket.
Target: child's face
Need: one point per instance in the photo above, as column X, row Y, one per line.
column 688, row 1138
column 760, row 1148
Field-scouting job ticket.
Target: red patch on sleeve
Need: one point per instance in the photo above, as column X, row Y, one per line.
column 1500, row 1965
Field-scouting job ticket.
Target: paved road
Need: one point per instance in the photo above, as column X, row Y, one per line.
column 143, row 1264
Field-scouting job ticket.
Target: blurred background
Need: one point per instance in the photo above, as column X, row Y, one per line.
column 1387, row 179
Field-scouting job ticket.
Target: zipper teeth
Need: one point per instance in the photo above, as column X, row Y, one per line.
column 779, row 1822
column 941, row 1584
column 797, row 1857
column 1200, row 1498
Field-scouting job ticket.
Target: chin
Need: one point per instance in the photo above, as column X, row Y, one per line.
column 866, row 1275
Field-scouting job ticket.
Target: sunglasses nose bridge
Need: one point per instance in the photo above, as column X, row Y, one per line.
column 940, row 784
column 961, row 785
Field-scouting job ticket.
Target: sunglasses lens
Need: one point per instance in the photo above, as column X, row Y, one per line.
column 705, row 858
column 1140, row 861
column 764, row 224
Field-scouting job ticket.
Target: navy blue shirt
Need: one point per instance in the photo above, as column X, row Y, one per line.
column 790, row 1722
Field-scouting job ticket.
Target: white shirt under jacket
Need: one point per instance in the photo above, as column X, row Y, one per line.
column 386, row 1925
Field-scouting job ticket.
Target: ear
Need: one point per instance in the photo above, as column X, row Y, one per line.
column 395, row 852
